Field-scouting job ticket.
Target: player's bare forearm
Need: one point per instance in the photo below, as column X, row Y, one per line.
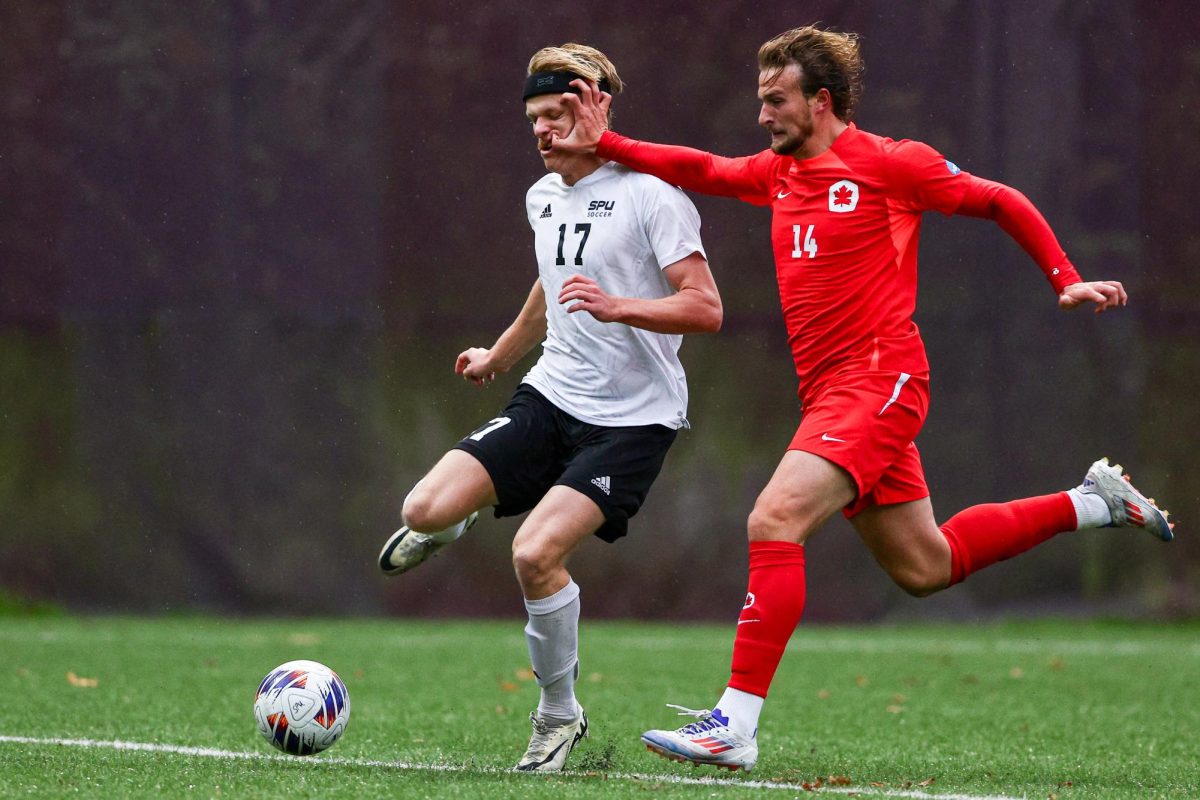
column 687, row 311
column 526, row 331
column 695, row 307
column 480, row 365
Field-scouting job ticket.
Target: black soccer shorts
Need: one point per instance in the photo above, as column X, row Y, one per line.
column 534, row 445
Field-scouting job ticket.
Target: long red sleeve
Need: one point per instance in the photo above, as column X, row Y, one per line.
column 1021, row 220
column 747, row 178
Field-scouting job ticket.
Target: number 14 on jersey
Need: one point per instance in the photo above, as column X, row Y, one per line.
column 810, row 243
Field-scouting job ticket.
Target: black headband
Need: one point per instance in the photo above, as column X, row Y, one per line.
column 554, row 83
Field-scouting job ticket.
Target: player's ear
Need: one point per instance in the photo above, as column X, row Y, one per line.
column 822, row 99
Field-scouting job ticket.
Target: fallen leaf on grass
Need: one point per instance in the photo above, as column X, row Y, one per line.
column 509, row 686
column 304, row 639
column 525, row 674
column 839, row 780
column 926, row 782
column 823, row 694
column 860, row 680
column 894, row 709
column 595, row 677
column 1016, row 673
column 82, row 683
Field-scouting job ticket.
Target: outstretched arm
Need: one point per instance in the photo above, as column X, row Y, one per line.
column 1021, row 220
column 747, row 178
column 479, row 365
column 695, row 307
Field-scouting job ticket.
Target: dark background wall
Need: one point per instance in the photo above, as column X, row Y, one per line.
column 241, row 244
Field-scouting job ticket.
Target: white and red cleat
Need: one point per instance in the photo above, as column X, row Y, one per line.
column 1129, row 507
column 709, row 740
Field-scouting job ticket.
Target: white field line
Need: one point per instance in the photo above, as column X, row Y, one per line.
column 209, row 752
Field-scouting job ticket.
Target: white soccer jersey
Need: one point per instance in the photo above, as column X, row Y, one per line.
column 620, row 228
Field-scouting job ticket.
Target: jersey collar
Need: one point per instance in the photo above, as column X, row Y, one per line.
column 598, row 174
column 830, row 156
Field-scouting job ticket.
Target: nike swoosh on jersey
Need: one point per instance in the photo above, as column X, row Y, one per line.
column 825, row 437
column 782, row 195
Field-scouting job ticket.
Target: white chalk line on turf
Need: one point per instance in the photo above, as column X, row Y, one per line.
column 210, row 752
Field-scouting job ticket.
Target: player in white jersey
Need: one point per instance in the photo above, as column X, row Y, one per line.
column 622, row 275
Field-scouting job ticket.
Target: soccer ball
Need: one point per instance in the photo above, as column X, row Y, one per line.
column 302, row 707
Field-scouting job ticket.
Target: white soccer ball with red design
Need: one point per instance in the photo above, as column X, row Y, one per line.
column 302, row 707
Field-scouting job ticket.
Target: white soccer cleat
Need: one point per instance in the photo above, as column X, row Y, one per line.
column 707, row 741
column 1129, row 507
column 406, row 548
column 550, row 744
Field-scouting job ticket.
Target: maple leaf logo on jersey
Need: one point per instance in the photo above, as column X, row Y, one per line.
column 843, row 197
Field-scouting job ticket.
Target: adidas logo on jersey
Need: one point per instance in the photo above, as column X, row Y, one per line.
column 604, row 483
column 545, row 212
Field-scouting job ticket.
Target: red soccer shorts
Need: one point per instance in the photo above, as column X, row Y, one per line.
column 865, row 422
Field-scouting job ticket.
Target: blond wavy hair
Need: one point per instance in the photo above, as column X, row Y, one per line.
column 827, row 60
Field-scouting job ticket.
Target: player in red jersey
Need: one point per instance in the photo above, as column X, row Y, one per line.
column 846, row 210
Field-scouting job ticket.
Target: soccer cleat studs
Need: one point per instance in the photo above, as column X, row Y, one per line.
column 1128, row 507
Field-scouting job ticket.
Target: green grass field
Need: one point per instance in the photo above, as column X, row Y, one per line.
column 1048, row 709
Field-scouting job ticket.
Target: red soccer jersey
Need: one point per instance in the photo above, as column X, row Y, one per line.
column 844, row 231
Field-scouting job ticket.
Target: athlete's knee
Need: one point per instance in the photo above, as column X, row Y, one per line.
column 920, row 580
column 533, row 562
column 423, row 513
column 773, row 521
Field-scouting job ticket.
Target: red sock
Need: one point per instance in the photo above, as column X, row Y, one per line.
column 980, row 536
column 774, row 603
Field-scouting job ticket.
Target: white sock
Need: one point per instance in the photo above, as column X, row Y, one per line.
column 444, row 536
column 743, row 709
column 553, row 638
column 1090, row 509
column 450, row 534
